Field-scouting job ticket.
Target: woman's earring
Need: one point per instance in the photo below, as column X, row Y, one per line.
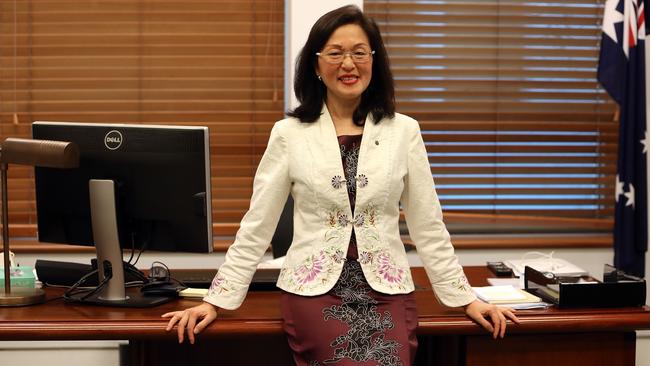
column 319, row 78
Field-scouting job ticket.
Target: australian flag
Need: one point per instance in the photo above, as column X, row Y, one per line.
column 621, row 71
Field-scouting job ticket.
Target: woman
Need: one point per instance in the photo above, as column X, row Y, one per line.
column 348, row 161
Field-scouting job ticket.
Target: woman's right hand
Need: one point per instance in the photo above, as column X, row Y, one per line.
column 186, row 320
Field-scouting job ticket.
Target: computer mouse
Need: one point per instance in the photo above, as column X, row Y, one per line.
column 162, row 288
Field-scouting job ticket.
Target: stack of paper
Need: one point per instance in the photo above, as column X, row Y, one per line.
column 557, row 266
column 197, row 293
column 509, row 296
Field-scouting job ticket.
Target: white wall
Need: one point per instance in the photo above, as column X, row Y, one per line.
column 299, row 17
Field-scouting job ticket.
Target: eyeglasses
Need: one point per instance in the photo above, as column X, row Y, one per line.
column 337, row 56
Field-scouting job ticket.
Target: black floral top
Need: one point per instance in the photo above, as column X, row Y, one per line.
column 349, row 145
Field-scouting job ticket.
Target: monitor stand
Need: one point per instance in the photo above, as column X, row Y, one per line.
column 109, row 255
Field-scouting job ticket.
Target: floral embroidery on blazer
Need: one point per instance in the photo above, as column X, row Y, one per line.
column 385, row 270
column 220, row 285
column 337, row 220
column 303, row 159
column 314, row 270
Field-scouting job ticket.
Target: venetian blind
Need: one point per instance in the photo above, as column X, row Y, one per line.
column 515, row 123
column 217, row 63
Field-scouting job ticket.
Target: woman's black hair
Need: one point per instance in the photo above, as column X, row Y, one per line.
column 378, row 99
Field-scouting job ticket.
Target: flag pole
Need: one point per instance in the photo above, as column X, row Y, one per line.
column 647, row 118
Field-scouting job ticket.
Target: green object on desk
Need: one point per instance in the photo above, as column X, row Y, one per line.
column 21, row 276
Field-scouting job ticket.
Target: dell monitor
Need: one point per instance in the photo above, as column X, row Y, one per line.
column 137, row 186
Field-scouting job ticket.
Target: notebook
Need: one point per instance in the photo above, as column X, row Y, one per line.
column 507, row 294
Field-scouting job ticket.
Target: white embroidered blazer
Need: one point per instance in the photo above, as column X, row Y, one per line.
column 304, row 159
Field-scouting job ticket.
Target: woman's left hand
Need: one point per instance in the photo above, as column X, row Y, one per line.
column 479, row 311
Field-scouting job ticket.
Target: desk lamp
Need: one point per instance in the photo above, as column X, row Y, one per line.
column 38, row 153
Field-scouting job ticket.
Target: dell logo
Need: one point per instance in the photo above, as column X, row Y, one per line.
column 113, row 140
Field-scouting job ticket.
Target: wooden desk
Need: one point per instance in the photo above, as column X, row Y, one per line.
column 253, row 332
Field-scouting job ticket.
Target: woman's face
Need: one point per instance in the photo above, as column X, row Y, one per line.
column 345, row 81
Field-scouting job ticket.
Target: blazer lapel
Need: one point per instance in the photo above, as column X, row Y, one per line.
column 329, row 143
column 326, row 155
column 375, row 163
column 370, row 134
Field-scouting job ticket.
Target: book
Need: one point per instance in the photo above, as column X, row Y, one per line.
column 499, row 295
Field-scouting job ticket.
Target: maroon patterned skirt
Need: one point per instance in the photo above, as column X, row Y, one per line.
column 351, row 324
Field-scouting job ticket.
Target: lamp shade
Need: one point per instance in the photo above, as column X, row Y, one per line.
column 41, row 153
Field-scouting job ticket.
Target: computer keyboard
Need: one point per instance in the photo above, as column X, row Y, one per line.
column 196, row 278
column 263, row 280
column 56, row 273
column 66, row 273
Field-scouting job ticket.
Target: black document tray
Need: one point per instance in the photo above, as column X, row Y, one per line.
column 617, row 290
